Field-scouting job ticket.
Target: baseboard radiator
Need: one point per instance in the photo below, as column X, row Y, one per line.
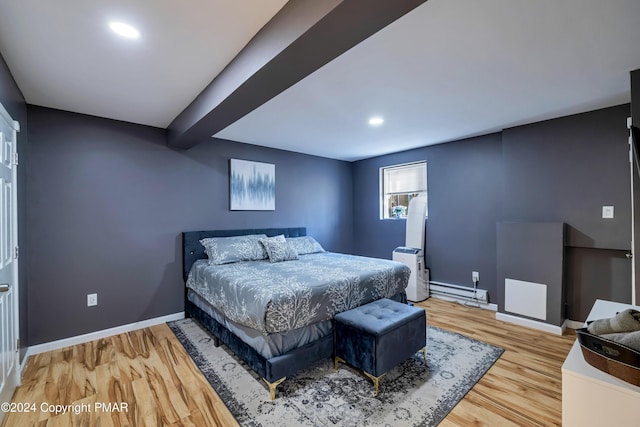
column 457, row 291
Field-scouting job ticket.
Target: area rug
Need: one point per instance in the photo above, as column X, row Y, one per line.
column 412, row 394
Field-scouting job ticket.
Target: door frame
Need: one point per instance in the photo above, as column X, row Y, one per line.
column 634, row 139
column 4, row 114
column 634, row 159
column 633, row 164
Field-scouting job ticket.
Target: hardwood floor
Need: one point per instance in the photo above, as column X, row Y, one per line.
column 150, row 371
column 523, row 388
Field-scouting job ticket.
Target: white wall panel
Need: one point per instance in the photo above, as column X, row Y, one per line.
column 525, row 298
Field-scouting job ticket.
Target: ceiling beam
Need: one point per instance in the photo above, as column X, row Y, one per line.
column 302, row 37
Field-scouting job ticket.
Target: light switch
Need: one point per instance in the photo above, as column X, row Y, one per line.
column 607, row 212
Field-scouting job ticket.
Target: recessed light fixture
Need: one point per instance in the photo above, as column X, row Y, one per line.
column 376, row 121
column 125, row 30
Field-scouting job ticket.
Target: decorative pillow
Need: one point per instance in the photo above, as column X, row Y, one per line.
column 278, row 238
column 225, row 250
column 279, row 249
column 305, row 245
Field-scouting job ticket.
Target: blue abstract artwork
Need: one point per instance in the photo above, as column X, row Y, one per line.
column 252, row 186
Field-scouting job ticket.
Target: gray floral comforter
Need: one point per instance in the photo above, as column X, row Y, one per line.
column 277, row 297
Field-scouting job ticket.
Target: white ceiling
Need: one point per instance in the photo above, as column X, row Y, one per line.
column 448, row 70
column 63, row 55
column 452, row 69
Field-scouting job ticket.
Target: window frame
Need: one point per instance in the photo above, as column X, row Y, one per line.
column 383, row 195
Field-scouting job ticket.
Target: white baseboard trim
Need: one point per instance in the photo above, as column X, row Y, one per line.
column 534, row 324
column 465, row 301
column 574, row 324
column 81, row 339
column 23, row 364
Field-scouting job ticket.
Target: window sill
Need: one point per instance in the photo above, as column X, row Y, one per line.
column 398, row 219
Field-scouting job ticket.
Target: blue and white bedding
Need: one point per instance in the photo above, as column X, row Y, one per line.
column 278, row 297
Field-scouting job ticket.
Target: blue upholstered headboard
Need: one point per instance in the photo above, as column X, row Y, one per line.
column 192, row 250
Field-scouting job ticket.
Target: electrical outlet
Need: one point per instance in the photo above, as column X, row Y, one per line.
column 475, row 276
column 92, row 299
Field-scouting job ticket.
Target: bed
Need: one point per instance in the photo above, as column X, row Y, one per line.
column 277, row 316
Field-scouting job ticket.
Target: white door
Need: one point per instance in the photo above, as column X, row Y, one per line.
column 9, row 369
column 634, row 158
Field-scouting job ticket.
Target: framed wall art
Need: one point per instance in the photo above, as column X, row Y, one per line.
column 252, row 186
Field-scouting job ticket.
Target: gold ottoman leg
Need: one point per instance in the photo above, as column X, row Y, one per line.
column 424, row 352
column 273, row 385
column 337, row 360
column 376, row 382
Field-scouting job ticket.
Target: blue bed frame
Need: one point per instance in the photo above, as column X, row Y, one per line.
column 276, row 369
column 273, row 370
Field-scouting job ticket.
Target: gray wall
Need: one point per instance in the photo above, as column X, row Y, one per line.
column 465, row 190
column 561, row 170
column 108, row 200
column 592, row 274
column 533, row 252
column 565, row 170
column 13, row 101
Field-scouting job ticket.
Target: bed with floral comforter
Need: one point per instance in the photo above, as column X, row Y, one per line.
column 278, row 297
column 276, row 316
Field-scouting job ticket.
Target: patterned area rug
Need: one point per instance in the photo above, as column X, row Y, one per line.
column 412, row 394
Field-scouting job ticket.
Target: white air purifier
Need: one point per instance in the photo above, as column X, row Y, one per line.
column 412, row 254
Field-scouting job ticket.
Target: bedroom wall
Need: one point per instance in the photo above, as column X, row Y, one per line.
column 465, row 189
column 109, row 201
column 565, row 170
column 13, row 101
column 558, row 170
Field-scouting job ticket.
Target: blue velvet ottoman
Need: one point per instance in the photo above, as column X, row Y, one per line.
column 378, row 336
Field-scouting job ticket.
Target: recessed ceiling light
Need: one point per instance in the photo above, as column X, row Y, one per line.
column 124, row 30
column 376, row 121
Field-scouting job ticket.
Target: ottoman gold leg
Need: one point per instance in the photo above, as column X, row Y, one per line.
column 337, row 360
column 273, row 385
column 424, row 352
column 376, row 382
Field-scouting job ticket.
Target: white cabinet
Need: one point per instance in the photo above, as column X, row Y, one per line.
column 591, row 397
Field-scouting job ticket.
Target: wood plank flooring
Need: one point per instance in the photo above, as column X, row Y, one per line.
column 150, row 371
column 524, row 386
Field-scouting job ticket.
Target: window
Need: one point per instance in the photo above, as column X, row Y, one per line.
column 398, row 185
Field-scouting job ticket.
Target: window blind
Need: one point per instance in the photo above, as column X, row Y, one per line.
column 411, row 178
